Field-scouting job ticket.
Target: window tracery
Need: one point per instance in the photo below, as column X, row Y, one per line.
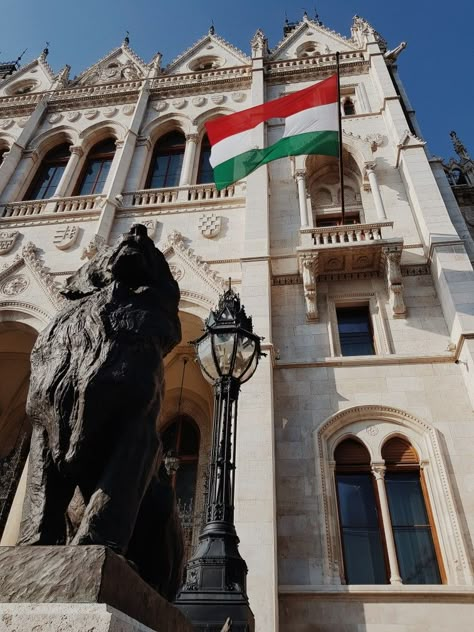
column 96, row 168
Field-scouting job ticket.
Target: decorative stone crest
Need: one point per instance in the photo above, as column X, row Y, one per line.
column 199, row 101
column 218, row 98
column 90, row 114
column 7, row 241
column 23, row 121
column 110, row 112
column 55, row 117
column 375, row 141
column 66, row 236
column 209, row 225
column 6, row 123
column 179, row 104
column 150, row 226
column 73, row 116
column 128, row 109
column 160, row 106
column 239, row 97
column 15, row 285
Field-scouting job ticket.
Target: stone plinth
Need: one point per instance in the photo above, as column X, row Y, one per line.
column 79, row 583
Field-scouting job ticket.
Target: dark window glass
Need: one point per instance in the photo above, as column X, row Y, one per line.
column 182, row 436
column 355, row 331
column 348, row 107
column 167, row 161
column 97, row 168
column 360, row 531
column 205, row 172
column 49, row 174
column 411, row 529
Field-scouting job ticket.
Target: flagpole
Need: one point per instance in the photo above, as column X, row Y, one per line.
column 341, row 166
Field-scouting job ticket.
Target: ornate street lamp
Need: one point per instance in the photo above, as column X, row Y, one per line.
column 216, row 575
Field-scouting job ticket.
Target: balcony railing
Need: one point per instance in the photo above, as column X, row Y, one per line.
column 182, row 195
column 344, row 235
column 28, row 208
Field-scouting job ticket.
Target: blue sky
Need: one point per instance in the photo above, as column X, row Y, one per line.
column 436, row 67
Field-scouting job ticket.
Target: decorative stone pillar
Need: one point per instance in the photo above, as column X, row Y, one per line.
column 64, row 186
column 188, row 159
column 378, row 470
column 301, row 184
column 393, row 256
column 23, row 174
column 309, row 264
column 374, row 187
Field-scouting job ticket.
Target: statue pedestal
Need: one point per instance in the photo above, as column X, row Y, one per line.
column 80, row 588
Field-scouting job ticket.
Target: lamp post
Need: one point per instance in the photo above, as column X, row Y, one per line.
column 216, row 575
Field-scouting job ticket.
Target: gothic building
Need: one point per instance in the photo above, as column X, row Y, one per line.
column 355, row 457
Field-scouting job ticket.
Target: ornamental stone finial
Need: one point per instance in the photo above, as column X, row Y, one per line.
column 459, row 147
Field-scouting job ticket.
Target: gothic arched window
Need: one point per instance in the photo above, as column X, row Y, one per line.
column 398, row 542
column 166, row 162
column 49, row 174
column 181, row 436
column 205, row 171
column 97, row 168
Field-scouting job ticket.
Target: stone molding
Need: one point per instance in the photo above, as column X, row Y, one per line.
column 425, row 438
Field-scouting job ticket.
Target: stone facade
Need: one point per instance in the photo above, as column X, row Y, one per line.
column 406, row 259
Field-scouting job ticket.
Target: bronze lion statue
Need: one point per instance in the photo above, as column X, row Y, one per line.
column 95, row 394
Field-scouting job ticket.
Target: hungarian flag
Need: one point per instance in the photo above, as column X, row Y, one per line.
column 311, row 127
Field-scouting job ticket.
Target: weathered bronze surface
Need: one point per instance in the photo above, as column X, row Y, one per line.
column 95, row 394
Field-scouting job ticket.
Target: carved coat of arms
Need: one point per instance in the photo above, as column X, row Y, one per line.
column 66, row 236
column 7, row 240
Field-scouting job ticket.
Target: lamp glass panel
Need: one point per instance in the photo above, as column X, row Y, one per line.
column 224, row 348
column 251, row 368
column 206, row 359
column 245, row 351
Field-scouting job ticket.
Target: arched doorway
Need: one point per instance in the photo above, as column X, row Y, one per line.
column 186, row 426
column 16, row 342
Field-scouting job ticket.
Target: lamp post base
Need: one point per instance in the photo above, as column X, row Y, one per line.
column 215, row 585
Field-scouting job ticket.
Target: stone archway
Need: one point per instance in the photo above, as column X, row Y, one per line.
column 16, row 341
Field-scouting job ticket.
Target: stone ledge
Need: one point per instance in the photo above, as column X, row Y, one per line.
column 87, row 575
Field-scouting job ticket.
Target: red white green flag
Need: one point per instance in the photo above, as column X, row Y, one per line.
column 311, row 127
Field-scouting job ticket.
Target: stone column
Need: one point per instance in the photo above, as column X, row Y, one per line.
column 136, row 178
column 188, row 160
column 374, row 187
column 378, row 471
column 300, row 181
column 26, row 167
column 67, row 180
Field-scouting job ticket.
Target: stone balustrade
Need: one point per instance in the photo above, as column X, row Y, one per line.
column 30, row 208
column 78, row 203
column 21, row 209
column 343, row 235
column 193, row 193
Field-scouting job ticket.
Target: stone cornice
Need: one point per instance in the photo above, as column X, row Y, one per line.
column 357, row 361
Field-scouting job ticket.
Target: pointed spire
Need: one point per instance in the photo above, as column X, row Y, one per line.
column 459, row 148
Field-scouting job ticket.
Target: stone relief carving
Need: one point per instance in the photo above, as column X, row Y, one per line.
column 179, row 104
column 92, row 247
column 91, row 114
column 218, row 98
column 110, row 112
column 239, row 97
column 209, row 225
column 23, row 121
column 128, row 109
column 177, row 272
column 309, row 286
column 6, row 123
column 73, row 116
column 15, row 285
column 394, row 281
column 160, row 106
column 7, row 241
column 66, row 236
column 199, row 101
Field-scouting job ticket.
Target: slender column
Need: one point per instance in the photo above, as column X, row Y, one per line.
column 16, row 189
column 136, row 178
column 379, row 472
column 374, row 187
column 300, row 181
column 188, row 159
column 64, row 186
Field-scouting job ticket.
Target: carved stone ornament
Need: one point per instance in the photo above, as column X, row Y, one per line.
column 375, row 141
column 66, row 236
column 23, row 121
column 218, row 98
column 309, row 288
column 55, row 117
column 110, row 112
column 150, row 227
column 394, row 281
column 179, row 104
column 209, row 225
column 6, row 123
column 14, row 285
column 177, row 272
column 128, row 109
column 160, row 106
column 73, row 116
column 199, row 101
column 7, row 241
column 93, row 247
column 239, row 97
column 91, row 114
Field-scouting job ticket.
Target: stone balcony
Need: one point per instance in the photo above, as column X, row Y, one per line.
column 350, row 251
column 52, row 206
column 188, row 196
